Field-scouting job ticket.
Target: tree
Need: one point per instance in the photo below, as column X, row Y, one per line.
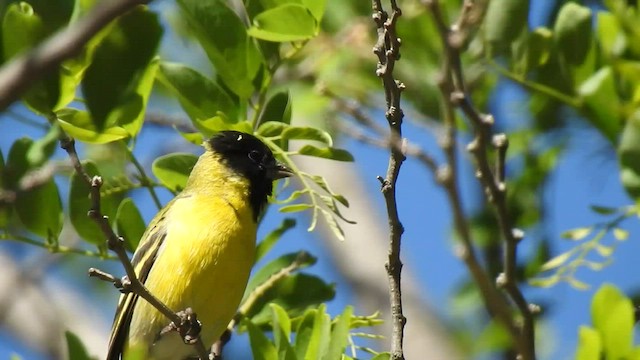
column 301, row 75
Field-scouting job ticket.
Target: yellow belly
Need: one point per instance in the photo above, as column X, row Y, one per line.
column 204, row 263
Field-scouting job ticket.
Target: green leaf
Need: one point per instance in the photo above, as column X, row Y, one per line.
column 296, row 293
column 173, row 170
column 265, row 272
column 538, row 47
column 609, row 34
column 577, row 284
column 326, row 153
column 195, row 138
column 601, row 99
column 307, row 133
column 277, row 109
column 504, row 21
column 284, row 23
column 200, row 97
column 75, row 347
column 261, row 347
column 603, row 210
column 620, row 234
column 494, row 337
column 272, row 238
column 603, row 250
column 79, row 125
column 629, row 156
column 40, row 210
column 545, row 282
column 17, row 162
column 589, row 344
column 340, row 335
column 117, row 83
column 42, row 149
column 320, row 335
column 572, row 32
column 295, row 208
column 320, row 181
column 281, row 325
column 316, row 8
column 304, row 331
column 234, row 55
column 80, row 204
column 129, row 224
column 577, row 233
column 23, row 29
column 612, row 315
column 382, row 356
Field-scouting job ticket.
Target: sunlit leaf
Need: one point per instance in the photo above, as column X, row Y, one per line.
column 589, row 344
column 612, row 315
column 200, row 97
column 286, row 22
column 600, row 97
column 545, row 282
column 556, row 261
column 326, row 153
column 307, row 133
column 173, row 170
column 261, row 347
column 23, row 29
column 620, row 234
column 340, row 335
column 295, row 208
column 577, row 284
column 577, row 233
column 78, row 124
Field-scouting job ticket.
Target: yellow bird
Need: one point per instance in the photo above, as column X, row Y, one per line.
column 199, row 249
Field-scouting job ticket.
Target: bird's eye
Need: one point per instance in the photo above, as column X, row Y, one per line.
column 255, row 156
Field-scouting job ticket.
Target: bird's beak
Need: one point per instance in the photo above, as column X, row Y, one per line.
column 279, row 171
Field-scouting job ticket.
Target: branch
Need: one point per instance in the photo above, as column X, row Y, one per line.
column 454, row 93
column 185, row 322
column 19, row 74
column 387, row 50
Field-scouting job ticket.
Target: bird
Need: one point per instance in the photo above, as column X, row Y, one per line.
column 198, row 250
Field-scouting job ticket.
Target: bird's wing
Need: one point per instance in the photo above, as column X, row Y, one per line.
column 142, row 262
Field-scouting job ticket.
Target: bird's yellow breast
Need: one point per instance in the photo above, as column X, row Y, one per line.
column 203, row 263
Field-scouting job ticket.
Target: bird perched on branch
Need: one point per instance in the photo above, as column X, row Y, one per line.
column 199, row 249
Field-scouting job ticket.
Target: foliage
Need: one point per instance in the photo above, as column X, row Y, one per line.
column 611, row 336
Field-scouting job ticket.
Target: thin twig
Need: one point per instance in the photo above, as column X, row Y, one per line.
column 24, row 70
column 387, row 49
column 130, row 283
column 454, row 94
